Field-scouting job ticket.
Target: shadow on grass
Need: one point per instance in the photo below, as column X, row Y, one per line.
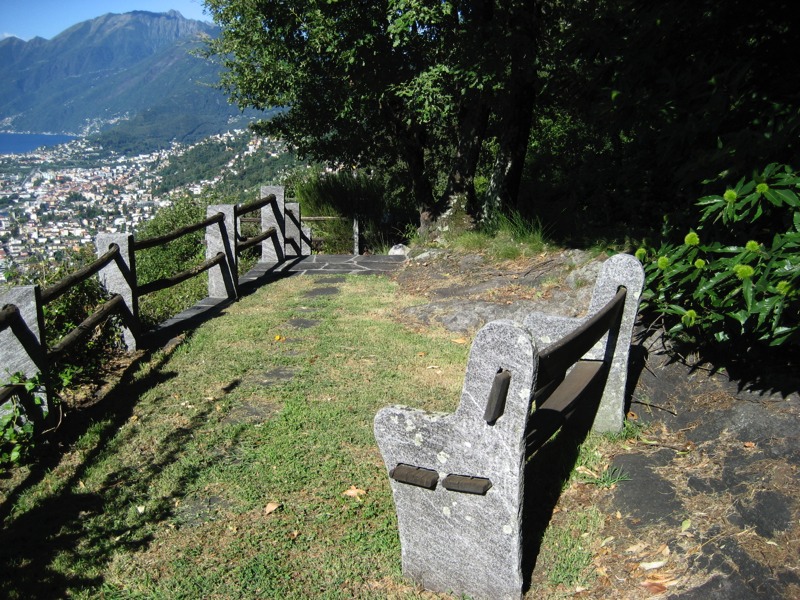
column 545, row 475
column 54, row 548
column 548, row 470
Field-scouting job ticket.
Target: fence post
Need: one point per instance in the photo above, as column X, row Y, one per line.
column 356, row 236
column 223, row 278
column 22, row 345
column 119, row 277
column 272, row 215
column 305, row 240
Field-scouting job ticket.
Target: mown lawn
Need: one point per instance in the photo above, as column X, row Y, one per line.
column 241, row 463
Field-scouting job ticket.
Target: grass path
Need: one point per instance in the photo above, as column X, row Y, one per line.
column 243, row 464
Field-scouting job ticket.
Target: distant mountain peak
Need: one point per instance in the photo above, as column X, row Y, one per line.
column 109, row 69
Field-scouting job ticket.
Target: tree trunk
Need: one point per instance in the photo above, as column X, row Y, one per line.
column 473, row 119
column 515, row 106
column 512, row 146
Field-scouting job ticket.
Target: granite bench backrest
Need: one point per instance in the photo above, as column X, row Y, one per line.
column 458, row 479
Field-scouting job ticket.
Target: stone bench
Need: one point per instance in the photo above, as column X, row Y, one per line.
column 458, row 479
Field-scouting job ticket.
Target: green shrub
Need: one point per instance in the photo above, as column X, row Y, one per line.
column 170, row 259
column 19, row 422
column 734, row 276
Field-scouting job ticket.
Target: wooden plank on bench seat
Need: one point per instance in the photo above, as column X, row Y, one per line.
column 555, row 410
column 558, row 357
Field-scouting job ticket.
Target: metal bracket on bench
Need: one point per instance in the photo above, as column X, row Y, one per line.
column 467, row 484
column 424, row 478
column 497, row 397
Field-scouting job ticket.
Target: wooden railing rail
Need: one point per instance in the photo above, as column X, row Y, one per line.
column 51, row 293
column 178, row 233
column 246, row 243
column 243, row 209
column 114, row 305
column 10, row 390
column 167, row 282
column 8, row 314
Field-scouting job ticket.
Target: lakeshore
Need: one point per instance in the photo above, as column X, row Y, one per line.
column 22, row 143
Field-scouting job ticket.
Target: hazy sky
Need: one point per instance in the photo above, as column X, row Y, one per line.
column 47, row 18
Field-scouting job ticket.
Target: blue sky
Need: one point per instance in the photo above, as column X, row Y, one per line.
column 47, row 18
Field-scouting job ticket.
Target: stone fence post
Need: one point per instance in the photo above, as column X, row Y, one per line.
column 22, row 345
column 222, row 278
column 273, row 215
column 119, row 277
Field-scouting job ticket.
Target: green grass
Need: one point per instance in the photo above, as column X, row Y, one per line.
column 208, row 475
column 566, row 548
column 508, row 237
column 166, row 497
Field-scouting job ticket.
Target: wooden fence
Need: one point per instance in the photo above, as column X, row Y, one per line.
column 23, row 349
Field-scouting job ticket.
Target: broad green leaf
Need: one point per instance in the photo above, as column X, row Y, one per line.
column 779, row 197
column 747, row 290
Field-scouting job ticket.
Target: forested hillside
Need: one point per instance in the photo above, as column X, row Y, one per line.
column 132, row 76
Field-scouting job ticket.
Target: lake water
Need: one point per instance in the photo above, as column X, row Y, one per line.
column 19, row 143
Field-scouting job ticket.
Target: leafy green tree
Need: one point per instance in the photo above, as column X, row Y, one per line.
column 413, row 83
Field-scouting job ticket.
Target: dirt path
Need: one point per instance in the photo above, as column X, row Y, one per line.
column 711, row 509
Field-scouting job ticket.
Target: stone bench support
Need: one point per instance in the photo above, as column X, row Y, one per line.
column 458, row 479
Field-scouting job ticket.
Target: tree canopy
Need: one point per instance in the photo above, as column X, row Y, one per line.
column 620, row 107
column 385, row 83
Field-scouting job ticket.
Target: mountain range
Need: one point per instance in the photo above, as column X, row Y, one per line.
column 130, row 78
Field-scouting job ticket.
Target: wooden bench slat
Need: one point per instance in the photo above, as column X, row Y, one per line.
column 555, row 410
column 557, row 358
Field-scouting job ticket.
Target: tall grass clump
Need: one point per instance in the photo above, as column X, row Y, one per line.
column 505, row 236
column 349, row 195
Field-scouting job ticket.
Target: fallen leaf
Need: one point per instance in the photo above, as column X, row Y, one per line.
column 271, row 507
column 354, row 492
column 294, row 535
column 433, row 367
column 584, row 471
column 654, row 587
column 618, row 515
column 608, row 540
column 649, row 566
column 632, row 415
column 686, row 524
column 140, row 510
column 666, row 579
column 421, row 353
column 749, row 444
column 636, row 548
column 459, row 341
